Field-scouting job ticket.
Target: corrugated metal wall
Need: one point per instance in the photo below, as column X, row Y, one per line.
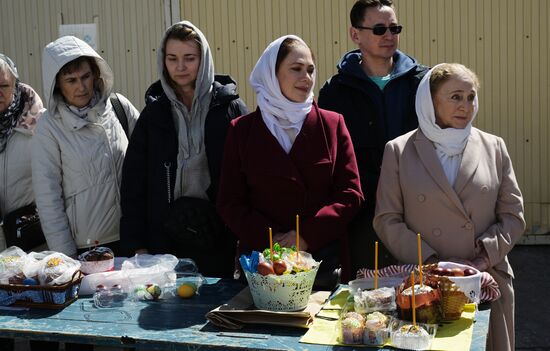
column 128, row 30
column 239, row 30
column 506, row 42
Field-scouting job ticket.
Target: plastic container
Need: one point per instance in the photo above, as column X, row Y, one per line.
column 109, row 297
column 192, row 280
column 381, row 299
column 405, row 336
column 97, row 260
column 373, row 329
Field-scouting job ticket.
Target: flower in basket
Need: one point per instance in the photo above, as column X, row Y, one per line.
column 280, row 279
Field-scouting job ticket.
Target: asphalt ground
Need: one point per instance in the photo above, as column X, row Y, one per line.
column 531, row 266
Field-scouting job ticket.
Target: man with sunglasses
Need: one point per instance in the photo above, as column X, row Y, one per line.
column 374, row 90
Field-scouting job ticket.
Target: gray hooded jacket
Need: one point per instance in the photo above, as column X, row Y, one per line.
column 192, row 176
column 77, row 162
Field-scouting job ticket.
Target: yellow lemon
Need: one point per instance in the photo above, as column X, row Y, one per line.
column 186, row 290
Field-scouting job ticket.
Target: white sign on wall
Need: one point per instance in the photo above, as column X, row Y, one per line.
column 86, row 31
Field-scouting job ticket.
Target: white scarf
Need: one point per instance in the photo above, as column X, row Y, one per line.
column 82, row 112
column 449, row 142
column 283, row 118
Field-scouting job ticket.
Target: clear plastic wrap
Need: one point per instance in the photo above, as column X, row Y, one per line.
column 57, row 269
column 12, row 261
column 33, row 262
column 139, row 270
column 372, row 329
column 367, row 301
column 105, row 297
column 99, row 259
column 406, row 336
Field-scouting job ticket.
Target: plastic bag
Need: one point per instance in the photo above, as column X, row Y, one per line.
column 155, row 263
column 99, row 259
column 137, row 271
column 33, row 262
column 12, row 261
column 57, row 269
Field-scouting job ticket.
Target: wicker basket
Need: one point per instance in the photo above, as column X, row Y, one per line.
column 452, row 299
column 41, row 296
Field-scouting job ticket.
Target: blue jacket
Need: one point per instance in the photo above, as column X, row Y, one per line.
column 373, row 116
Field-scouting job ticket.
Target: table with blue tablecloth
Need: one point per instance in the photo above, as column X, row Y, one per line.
column 172, row 323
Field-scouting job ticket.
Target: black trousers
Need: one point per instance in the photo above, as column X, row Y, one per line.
column 361, row 240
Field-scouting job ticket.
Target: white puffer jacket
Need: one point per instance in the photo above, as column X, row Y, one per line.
column 15, row 175
column 76, row 162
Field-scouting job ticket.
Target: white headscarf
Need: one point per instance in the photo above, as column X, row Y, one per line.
column 449, row 142
column 283, row 118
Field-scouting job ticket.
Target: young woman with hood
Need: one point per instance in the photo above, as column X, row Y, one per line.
column 177, row 148
column 78, row 150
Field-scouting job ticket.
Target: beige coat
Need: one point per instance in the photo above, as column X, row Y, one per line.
column 485, row 205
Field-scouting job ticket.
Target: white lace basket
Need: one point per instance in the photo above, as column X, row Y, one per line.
column 288, row 292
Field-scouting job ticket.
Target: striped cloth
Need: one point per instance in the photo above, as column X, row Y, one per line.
column 489, row 286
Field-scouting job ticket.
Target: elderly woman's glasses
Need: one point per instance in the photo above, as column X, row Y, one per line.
column 381, row 30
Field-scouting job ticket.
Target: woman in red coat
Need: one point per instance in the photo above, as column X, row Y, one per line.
column 289, row 157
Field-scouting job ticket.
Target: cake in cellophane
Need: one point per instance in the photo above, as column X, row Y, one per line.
column 97, row 260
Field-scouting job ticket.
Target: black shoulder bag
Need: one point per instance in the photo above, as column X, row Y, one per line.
column 22, row 228
column 119, row 112
column 194, row 225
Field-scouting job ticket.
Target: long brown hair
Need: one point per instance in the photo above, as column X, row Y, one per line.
column 182, row 33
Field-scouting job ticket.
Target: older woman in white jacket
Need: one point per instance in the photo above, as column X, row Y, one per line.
column 78, row 149
column 20, row 108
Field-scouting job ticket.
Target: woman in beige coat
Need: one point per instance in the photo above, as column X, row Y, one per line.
column 455, row 185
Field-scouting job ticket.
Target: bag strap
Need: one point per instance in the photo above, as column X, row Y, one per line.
column 119, row 112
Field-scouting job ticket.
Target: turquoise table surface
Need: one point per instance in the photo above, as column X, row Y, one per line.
column 171, row 324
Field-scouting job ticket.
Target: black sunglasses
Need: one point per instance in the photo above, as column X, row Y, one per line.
column 381, row 30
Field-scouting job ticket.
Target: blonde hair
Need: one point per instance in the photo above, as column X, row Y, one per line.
column 445, row 71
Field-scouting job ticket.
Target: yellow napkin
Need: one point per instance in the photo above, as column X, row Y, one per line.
column 459, row 332
column 449, row 335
